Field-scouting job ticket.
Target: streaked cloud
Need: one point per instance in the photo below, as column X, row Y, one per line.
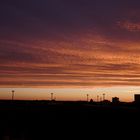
column 69, row 44
column 130, row 26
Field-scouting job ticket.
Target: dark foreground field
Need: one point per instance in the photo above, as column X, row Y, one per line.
column 27, row 120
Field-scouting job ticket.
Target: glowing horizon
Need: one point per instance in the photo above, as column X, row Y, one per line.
column 70, row 45
column 125, row 94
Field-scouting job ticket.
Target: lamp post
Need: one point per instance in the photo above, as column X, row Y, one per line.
column 51, row 96
column 87, row 97
column 103, row 96
column 13, row 92
column 97, row 98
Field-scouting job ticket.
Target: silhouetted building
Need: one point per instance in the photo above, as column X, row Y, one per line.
column 115, row 100
column 106, row 102
column 137, row 98
column 91, row 100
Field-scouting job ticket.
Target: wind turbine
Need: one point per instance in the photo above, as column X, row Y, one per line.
column 97, row 98
column 13, row 92
column 87, row 97
column 103, row 96
column 51, row 96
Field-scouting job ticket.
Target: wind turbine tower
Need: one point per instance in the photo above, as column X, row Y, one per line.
column 13, row 92
column 87, row 97
column 97, row 98
column 51, row 96
column 103, row 96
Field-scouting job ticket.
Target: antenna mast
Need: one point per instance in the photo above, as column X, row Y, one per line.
column 51, row 96
column 13, row 92
column 87, row 97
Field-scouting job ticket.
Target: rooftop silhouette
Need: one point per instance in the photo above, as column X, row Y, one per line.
column 27, row 119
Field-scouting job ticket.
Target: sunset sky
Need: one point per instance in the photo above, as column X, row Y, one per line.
column 69, row 47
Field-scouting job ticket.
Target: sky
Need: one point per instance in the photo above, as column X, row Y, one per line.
column 69, row 45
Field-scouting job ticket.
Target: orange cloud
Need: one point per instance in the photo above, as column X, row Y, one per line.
column 130, row 26
column 88, row 60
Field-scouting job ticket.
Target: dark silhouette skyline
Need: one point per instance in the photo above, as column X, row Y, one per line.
column 69, row 44
column 69, row 66
column 31, row 120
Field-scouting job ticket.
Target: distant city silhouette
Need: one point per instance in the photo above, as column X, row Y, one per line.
column 25, row 119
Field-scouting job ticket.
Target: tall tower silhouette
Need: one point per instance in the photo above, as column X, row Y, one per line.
column 13, row 92
column 51, row 96
column 103, row 96
column 87, row 97
column 97, row 98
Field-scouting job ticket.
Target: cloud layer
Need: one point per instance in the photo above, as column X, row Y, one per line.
column 55, row 43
